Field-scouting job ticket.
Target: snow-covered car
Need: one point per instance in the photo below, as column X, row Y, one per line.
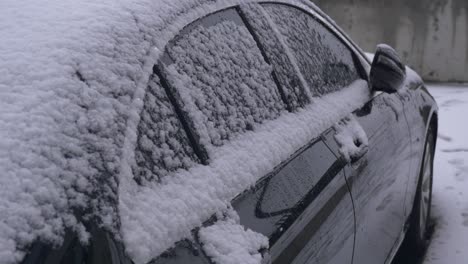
column 205, row 131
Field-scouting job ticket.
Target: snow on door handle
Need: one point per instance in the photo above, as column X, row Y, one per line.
column 351, row 138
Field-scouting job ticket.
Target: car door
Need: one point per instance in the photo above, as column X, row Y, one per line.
column 304, row 208
column 379, row 178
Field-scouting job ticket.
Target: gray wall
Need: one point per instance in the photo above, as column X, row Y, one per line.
column 430, row 35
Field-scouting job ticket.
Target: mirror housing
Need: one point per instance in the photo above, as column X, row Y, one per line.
column 387, row 72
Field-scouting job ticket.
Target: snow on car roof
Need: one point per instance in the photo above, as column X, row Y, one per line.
column 73, row 76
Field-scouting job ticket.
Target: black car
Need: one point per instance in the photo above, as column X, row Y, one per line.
column 267, row 111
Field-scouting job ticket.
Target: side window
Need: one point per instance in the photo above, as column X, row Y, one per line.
column 162, row 145
column 325, row 62
column 285, row 190
column 275, row 203
column 220, row 79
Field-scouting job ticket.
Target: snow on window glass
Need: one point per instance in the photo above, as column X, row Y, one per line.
column 325, row 62
column 224, row 84
column 162, row 145
column 291, row 83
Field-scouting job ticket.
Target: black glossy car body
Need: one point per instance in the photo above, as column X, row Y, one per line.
column 315, row 207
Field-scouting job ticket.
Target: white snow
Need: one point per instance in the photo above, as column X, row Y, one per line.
column 67, row 73
column 351, row 137
column 450, row 189
column 326, row 68
column 73, row 79
column 286, row 66
column 228, row 242
column 162, row 146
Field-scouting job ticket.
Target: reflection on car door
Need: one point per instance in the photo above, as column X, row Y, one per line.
column 304, row 208
column 378, row 180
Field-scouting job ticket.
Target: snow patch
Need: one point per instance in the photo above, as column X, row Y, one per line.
column 228, row 242
column 326, row 68
column 351, row 138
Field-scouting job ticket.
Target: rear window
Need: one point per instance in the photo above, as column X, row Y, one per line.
column 220, row 78
column 325, row 62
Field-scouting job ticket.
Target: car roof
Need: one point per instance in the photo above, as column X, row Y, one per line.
column 72, row 78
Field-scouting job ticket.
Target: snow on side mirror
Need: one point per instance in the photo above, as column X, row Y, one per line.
column 387, row 72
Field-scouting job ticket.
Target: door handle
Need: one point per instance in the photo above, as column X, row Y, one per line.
column 359, row 153
column 352, row 139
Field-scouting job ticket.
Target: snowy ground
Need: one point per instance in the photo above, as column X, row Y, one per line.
column 449, row 242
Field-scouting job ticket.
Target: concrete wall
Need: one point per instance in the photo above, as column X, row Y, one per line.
column 430, row 35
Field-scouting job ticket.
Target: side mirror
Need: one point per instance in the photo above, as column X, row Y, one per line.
column 387, row 72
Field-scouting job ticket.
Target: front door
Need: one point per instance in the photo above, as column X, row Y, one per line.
column 304, row 208
column 378, row 177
